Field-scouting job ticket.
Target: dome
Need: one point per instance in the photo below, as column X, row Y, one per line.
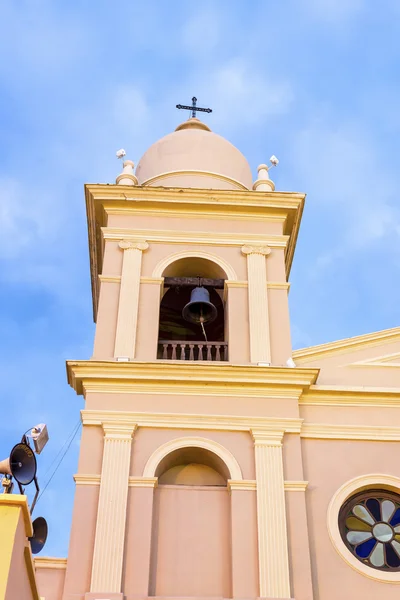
column 194, row 157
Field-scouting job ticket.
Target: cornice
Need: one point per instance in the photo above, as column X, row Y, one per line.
column 347, row 345
column 326, row 431
column 242, row 380
column 320, row 395
column 158, row 236
column 269, row 425
column 87, row 479
column 49, row 562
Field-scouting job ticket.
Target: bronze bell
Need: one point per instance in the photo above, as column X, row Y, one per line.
column 199, row 309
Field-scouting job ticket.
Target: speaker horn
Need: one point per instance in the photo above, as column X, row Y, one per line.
column 199, row 309
column 21, row 464
column 39, row 537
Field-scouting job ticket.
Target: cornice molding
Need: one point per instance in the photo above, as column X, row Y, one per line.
column 295, row 486
column 320, row 395
column 347, row 345
column 143, row 482
column 257, row 242
column 383, row 433
column 243, row 380
column 49, row 562
column 269, row 425
column 242, row 485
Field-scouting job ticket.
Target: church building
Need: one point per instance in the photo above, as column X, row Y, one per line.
column 215, row 461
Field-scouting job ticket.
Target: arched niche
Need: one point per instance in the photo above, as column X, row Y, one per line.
column 221, row 268
column 191, row 534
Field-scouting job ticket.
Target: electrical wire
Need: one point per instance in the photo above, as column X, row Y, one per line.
column 61, row 449
column 61, row 459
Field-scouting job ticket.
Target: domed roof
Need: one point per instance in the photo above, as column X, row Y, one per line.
column 194, row 156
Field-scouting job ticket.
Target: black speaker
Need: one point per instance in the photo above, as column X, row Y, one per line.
column 21, row 464
column 39, row 537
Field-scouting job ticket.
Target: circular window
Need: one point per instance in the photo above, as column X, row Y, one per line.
column 369, row 524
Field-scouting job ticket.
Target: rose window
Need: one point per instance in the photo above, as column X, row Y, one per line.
column 370, row 527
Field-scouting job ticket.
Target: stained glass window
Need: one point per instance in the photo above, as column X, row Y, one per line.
column 370, row 527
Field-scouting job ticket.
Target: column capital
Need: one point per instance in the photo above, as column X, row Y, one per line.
column 141, row 245
column 262, row 249
column 113, row 431
column 265, row 437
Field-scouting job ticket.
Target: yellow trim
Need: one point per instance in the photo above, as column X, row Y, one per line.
column 187, row 421
column 295, row 486
column 109, row 278
column 171, row 258
column 147, row 482
column 30, row 569
column 207, row 238
column 215, row 214
column 167, row 174
column 50, row 562
column 368, row 340
column 193, row 442
column 320, row 395
column 349, row 488
column 244, row 485
column 87, row 479
column 383, row 433
column 170, row 376
column 153, row 280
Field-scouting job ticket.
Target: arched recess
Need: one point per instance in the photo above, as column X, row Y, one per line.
column 193, row 442
column 165, row 262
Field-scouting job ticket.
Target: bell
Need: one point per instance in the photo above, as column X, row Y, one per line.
column 199, row 309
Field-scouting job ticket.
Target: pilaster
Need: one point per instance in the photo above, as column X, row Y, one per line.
column 125, row 338
column 260, row 348
column 111, row 516
column 271, row 515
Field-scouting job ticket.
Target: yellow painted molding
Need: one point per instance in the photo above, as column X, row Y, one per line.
column 359, row 484
column 84, row 479
column 148, row 482
column 195, row 172
column 236, row 284
column 278, row 285
column 251, row 485
column 295, row 486
column 50, row 562
column 20, row 501
column 245, row 485
column 171, row 258
column 269, row 425
column 195, row 237
column 30, row 569
column 347, row 345
column 109, row 278
column 152, row 280
column 320, row 395
column 383, row 433
column 243, row 380
column 193, row 442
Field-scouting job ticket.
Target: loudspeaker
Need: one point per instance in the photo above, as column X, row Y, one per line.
column 199, row 309
column 39, row 537
column 21, row 464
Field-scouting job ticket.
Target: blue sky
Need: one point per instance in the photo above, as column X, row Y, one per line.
column 313, row 81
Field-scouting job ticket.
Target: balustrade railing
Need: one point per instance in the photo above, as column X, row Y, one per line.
column 181, row 350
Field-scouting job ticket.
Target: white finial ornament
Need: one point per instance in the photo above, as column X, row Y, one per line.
column 127, row 176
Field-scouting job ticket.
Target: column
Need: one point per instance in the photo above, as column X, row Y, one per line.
column 260, row 350
column 271, row 515
column 125, row 338
column 111, row 515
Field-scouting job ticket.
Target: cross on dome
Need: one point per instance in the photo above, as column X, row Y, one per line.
column 194, row 108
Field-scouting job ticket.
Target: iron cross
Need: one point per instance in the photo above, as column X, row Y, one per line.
column 194, row 108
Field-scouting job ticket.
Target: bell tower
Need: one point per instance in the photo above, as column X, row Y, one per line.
column 190, row 480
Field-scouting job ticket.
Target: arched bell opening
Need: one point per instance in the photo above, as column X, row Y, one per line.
column 192, row 467
column 192, row 312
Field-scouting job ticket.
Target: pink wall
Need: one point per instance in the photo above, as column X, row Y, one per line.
column 50, row 583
